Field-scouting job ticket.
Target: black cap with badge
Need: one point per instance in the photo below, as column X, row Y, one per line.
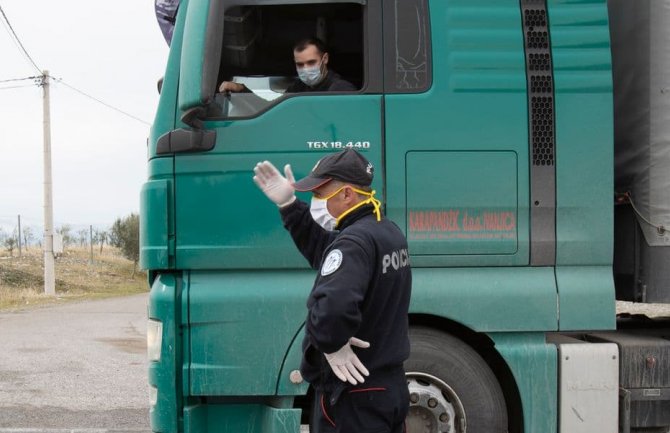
column 346, row 166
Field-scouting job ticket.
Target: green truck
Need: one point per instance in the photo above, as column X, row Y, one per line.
column 521, row 145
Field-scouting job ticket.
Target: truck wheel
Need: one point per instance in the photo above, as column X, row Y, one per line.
column 452, row 389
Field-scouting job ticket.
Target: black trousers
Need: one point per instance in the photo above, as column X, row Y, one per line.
column 379, row 405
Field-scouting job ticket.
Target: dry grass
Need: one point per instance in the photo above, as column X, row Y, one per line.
column 110, row 274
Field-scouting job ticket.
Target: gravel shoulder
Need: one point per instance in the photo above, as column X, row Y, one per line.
column 79, row 365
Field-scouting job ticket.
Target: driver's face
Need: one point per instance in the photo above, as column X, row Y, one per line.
column 309, row 57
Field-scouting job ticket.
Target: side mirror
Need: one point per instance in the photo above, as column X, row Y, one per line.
column 201, row 54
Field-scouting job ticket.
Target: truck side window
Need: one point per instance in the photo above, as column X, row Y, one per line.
column 407, row 46
column 257, row 53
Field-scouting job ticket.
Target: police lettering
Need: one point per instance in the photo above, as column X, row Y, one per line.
column 396, row 260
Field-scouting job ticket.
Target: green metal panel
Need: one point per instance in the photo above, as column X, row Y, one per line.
column 249, row 418
column 154, row 224
column 185, row 336
column 481, row 301
column 193, row 53
column 477, row 104
column 469, row 130
column 161, row 168
column 291, row 363
column 587, row 298
column 584, row 133
column 157, row 202
column 533, row 365
column 164, row 375
column 164, row 120
column 224, row 221
column 488, row 299
column 472, row 210
column 241, row 326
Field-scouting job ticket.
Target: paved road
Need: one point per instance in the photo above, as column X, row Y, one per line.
column 75, row 366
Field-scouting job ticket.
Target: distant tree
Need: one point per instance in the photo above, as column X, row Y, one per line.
column 125, row 234
column 65, row 230
column 28, row 235
column 82, row 237
column 3, row 236
column 100, row 237
column 113, row 234
column 10, row 243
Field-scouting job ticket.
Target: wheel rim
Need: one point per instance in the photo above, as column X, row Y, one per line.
column 434, row 407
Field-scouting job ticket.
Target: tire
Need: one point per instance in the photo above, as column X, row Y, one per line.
column 452, row 389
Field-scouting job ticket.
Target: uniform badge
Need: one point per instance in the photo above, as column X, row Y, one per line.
column 332, row 262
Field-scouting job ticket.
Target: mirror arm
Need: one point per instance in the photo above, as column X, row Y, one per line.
column 193, row 117
column 184, row 140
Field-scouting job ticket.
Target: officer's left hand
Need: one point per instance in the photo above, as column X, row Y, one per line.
column 276, row 187
column 346, row 365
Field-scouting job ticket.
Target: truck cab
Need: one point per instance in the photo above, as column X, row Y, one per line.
column 490, row 124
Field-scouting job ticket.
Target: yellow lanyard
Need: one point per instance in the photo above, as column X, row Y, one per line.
column 372, row 200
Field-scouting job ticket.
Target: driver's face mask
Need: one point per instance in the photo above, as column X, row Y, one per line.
column 311, row 75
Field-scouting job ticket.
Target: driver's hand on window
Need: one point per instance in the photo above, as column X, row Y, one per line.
column 229, row 86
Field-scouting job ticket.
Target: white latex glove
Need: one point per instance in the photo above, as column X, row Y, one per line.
column 276, row 187
column 346, row 365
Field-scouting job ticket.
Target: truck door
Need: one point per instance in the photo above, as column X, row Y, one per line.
column 456, row 129
column 245, row 276
column 223, row 220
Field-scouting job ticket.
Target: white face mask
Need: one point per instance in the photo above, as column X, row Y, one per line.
column 319, row 210
column 311, row 75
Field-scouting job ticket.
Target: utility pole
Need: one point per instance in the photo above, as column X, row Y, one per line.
column 19, row 235
column 49, row 273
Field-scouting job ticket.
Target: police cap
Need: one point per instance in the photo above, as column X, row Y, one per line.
column 346, row 166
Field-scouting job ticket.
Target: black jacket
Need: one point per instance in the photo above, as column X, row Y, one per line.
column 362, row 290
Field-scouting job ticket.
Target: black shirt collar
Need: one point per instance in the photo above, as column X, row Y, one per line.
column 323, row 86
column 366, row 209
column 325, row 83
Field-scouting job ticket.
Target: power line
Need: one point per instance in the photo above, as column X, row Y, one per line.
column 60, row 80
column 17, row 87
column 23, row 49
column 20, row 79
column 9, row 33
column 19, row 40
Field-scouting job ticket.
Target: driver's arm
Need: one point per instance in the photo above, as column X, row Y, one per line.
column 232, row 87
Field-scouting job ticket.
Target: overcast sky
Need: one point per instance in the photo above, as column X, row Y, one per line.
column 112, row 50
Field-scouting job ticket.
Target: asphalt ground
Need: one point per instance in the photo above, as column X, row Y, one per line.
column 79, row 367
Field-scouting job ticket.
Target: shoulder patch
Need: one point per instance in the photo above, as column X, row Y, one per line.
column 332, row 262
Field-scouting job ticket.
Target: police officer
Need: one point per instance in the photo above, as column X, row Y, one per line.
column 356, row 336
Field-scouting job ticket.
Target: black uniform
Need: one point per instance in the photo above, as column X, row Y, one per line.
column 332, row 83
column 362, row 290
